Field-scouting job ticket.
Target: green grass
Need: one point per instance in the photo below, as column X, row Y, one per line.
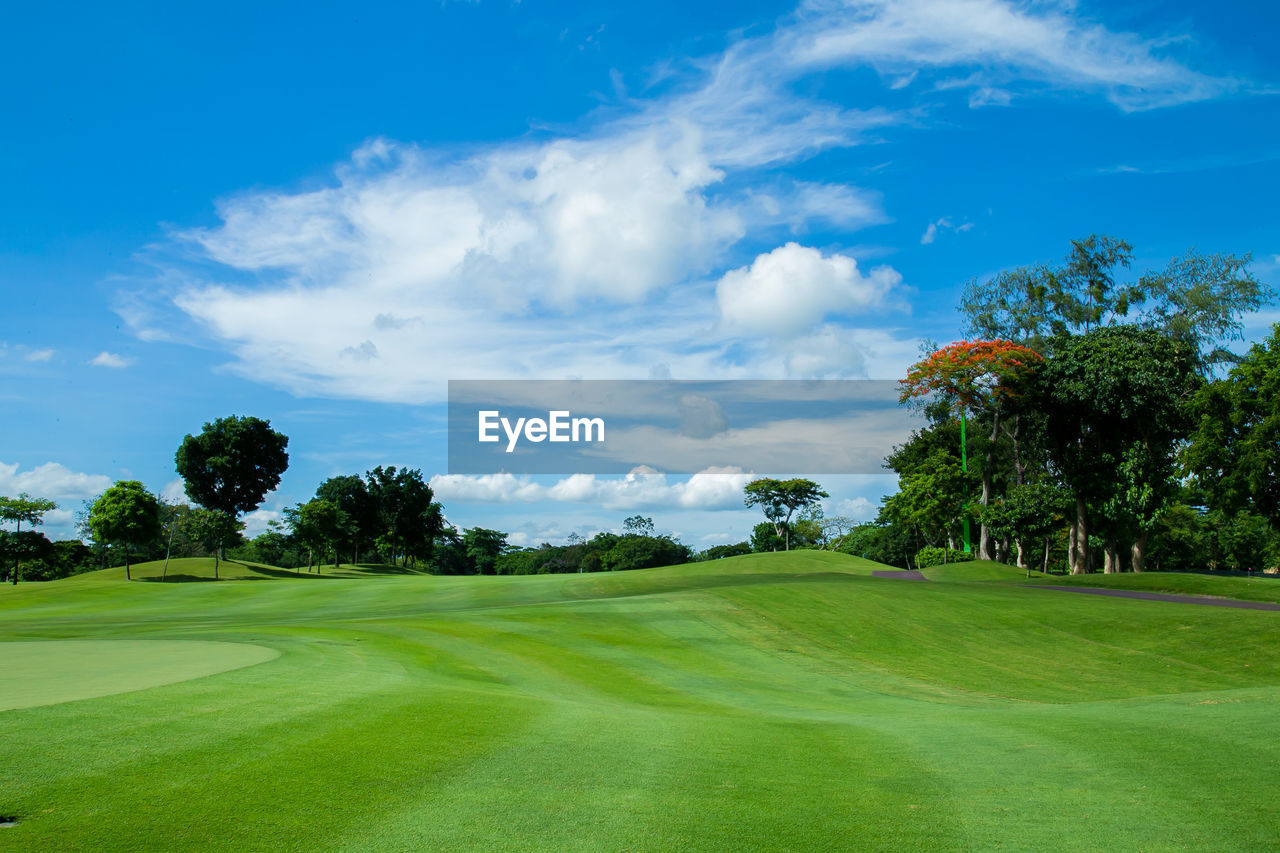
column 770, row 702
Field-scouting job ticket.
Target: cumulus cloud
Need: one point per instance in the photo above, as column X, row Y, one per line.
column 791, row 289
column 110, row 359
column 712, row 489
column 522, row 258
column 51, row 480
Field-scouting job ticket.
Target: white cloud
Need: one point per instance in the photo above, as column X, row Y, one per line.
column 791, row 289
column 175, row 492
column 1012, row 43
column 859, row 509
column 110, row 359
column 517, row 260
column 38, row 355
column 943, row 224
column 51, row 480
column 714, row 488
column 255, row 523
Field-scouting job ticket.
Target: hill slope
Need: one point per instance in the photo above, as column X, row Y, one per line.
column 777, row 701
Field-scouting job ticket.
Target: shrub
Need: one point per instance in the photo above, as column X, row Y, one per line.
column 927, row 557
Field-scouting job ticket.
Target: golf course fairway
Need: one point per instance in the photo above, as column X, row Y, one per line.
column 768, row 702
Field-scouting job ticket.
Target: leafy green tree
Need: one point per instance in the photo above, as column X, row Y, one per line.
column 1196, row 299
column 214, row 529
column 779, row 499
column 765, row 538
column 483, row 547
column 351, row 495
column 1117, row 400
column 410, row 520
column 319, row 525
column 719, row 552
column 20, row 509
column 1234, row 451
column 638, row 525
column 644, row 552
column 232, row 464
column 1028, row 514
column 125, row 514
column 930, row 499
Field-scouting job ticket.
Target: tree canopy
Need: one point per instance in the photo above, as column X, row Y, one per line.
column 232, row 464
column 779, row 499
column 125, row 514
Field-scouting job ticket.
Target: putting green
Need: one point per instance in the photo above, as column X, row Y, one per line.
column 49, row 672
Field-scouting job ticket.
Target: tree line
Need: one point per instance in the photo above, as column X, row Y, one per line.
column 1095, row 424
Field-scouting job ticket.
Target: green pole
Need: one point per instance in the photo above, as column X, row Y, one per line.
column 964, row 469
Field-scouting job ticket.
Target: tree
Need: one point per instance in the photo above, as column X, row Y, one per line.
column 978, row 377
column 125, row 514
column 213, row 528
column 350, row 494
column 1235, row 447
column 779, row 499
column 232, row 464
column 482, row 548
column 638, row 525
column 20, row 509
column 1117, row 400
column 410, row 520
column 1027, row 514
column 1196, row 299
column 930, row 500
column 318, row 524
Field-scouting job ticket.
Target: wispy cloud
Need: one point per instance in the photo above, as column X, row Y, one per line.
column 38, row 356
column 944, row 224
column 521, row 259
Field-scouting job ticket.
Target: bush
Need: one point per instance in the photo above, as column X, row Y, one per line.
column 927, row 557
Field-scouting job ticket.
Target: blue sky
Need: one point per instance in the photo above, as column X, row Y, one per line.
column 318, row 214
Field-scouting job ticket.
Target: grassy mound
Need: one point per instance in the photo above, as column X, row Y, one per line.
column 775, row 701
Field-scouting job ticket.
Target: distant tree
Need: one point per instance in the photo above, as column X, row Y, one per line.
column 638, row 525
column 644, row 552
column 214, row 529
column 232, row 464
column 320, row 525
column 779, row 499
column 765, row 538
column 20, row 509
column 125, row 514
column 410, row 520
column 719, row 552
column 483, row 547
column 351, row 495
column 1234, row 451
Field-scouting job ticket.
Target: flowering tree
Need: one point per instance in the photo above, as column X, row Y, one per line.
column 978, row 377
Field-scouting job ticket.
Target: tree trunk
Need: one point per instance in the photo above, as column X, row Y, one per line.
column 1111, row 559
column 126, row 562
column 1140, row 551
column 986, row 551
column 1022, row 555
column 167, row 548
column 1018, row 468
column 1080, row 564
column 1044, row 567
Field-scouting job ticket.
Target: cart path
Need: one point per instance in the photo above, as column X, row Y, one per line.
column 1166, row 596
